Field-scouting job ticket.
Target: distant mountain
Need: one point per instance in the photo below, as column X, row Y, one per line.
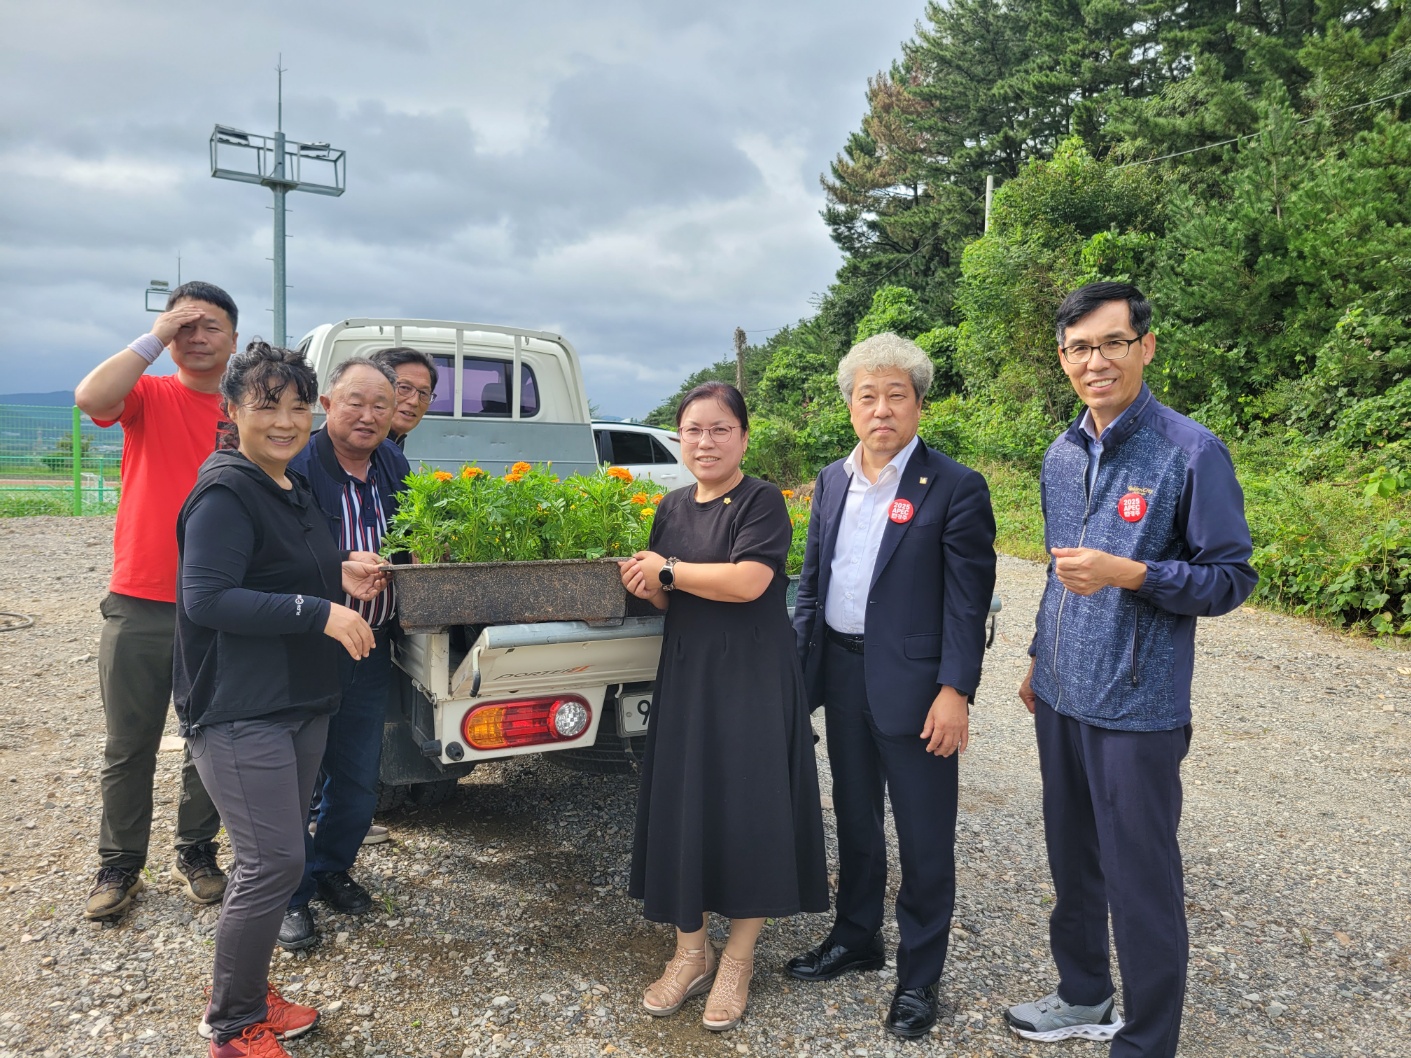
column 58, row 398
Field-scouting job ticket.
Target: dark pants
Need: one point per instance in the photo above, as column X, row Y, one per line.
column 350, row 769
column 922, row 788
column 134, row 675
column 1112, row 804
column 261, row 773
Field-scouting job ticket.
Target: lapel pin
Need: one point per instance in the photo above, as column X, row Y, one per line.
column 923, row 481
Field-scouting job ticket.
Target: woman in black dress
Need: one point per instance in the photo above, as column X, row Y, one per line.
column 728, row 818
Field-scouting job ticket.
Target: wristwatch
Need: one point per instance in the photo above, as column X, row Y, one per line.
column 667, row 576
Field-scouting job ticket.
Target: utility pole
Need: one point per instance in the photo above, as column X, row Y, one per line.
column 989, row 198
column 279, row 164
column 740, row 359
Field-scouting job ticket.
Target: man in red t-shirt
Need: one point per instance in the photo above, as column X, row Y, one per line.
column 170, row 424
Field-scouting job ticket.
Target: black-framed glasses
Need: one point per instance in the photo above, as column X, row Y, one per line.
column 1115, row 349
column 692, row 435
column 406, row 389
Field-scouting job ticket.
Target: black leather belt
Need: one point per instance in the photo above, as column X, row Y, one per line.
column 845, row 640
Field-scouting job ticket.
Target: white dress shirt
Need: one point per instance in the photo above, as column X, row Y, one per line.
column 864, row 518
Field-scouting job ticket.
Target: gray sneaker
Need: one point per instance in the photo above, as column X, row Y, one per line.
column 1051, row 1019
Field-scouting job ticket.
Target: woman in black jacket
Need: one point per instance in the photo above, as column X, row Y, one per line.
column 257, row 674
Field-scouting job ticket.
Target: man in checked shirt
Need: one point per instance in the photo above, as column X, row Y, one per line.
column 355, row 474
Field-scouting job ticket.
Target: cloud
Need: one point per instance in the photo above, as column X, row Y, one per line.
column 639, row 177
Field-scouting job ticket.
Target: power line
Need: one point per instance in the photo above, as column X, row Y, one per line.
column 1251, row 135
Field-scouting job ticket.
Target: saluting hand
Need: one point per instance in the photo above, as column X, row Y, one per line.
column 168, row 323
column 348, row 627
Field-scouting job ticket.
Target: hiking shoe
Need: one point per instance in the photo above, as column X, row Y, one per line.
column 288, row 1021
column 377, row 835
column 196, row 869
column 341, row 893
column 1051, row 1019
column 254, row 1041
column 112, row 892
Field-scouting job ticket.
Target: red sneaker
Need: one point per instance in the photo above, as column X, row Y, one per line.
column 256, row 1041
column 286, row 1020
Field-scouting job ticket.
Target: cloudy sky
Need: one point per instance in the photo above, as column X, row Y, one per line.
column 639, row 177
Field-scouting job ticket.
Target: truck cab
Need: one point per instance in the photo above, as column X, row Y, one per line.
column 464, row 695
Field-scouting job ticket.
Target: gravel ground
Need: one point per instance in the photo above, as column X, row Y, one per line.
column 503, row 927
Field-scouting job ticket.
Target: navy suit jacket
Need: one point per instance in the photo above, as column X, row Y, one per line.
column 930, row 593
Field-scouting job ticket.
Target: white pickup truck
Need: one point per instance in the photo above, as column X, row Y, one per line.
column 465, row 695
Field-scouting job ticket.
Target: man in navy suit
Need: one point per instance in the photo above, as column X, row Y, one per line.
column 897, row 580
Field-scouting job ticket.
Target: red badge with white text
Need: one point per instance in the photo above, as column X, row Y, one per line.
column 901, row 511
column 1132, row 507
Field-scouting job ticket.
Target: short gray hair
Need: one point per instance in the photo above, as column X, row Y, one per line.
column 344, row 366
column 883, row 352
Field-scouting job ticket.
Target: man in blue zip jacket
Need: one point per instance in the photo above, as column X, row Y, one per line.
column 1145, row 523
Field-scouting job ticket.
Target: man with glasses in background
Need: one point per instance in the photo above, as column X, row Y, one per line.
column 355, row 474
column 415, row 390
column 1145, row 523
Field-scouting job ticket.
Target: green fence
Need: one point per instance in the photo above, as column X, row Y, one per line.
column 56, row 461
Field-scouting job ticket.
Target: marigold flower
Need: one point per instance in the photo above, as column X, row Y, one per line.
column 521, row 468
column 442, row 475
column 621, row 473
column 514, row 477
column 471, row 473
column 647, row 512
column 639, row 498
column 788, row 494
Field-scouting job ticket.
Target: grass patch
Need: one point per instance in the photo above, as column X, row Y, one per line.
column 1014, row 492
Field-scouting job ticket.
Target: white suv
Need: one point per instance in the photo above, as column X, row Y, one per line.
column 647, row 451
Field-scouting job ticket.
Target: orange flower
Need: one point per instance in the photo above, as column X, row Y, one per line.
column 514, row 477
column 442, row 475
column 621, row 473
column 639, row 498
column 788, row 493
column 470, row 473
column 521, row 468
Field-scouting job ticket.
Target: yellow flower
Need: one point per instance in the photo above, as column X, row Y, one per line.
column 621, row 473
column 647, row 512
column 788, row 494
column 442, row 475
column 639, row 498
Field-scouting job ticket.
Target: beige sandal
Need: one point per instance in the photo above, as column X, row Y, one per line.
column 689, row 973
column 730, row 995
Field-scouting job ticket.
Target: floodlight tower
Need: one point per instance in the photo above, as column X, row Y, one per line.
column 280, row 165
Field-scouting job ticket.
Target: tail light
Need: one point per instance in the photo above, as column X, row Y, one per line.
column 529, row 722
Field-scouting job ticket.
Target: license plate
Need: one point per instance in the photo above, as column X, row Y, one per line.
column 632, row 711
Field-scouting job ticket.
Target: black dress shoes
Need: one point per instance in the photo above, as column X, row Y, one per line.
column 830, row 959
column 341, row 893
column 297, row 930
column 913, row 1012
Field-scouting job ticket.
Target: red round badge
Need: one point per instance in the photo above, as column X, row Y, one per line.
column 901, row 511
column 1132, row 507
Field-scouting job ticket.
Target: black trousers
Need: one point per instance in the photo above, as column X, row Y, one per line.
column 1112, row 804
column 922, row 789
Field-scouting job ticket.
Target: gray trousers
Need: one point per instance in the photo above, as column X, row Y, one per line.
column 134, row 674
column 261, row 773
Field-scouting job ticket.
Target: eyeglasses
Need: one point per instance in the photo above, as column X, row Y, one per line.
column 1116, row 349
column 692, row 435
column 406, row 389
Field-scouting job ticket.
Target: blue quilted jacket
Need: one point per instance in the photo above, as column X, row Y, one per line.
column 1165, row 495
